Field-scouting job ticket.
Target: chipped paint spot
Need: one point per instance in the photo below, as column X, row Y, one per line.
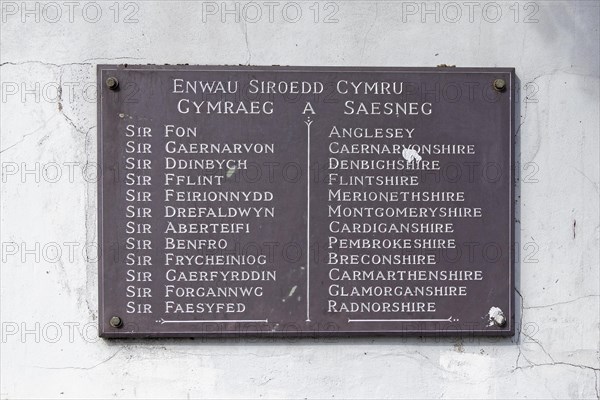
column 230, row 172
column 494, row 313
column 411, row 155
column 461, row 370
column 292, row 291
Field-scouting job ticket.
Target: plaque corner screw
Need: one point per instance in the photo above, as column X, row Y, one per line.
column 112, row 83
column 500, row 320
column 116, row 322
column 500, row 85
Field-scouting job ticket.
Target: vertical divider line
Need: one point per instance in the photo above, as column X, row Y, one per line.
column 308, row 122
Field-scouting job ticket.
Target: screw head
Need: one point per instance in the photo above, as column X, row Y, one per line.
column 112, row 83
column 500, row 320
column 500, row 85
column 116, row 322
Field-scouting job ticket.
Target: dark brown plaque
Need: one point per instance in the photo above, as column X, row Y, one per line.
column 305, row 201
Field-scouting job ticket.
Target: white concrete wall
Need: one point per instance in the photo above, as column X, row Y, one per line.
column 49, row 301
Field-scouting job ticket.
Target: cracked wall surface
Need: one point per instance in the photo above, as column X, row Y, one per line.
column 48, row 221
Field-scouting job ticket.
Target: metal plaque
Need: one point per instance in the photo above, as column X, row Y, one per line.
column 305, row 201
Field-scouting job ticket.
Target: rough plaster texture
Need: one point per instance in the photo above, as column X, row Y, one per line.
column 49, row 297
